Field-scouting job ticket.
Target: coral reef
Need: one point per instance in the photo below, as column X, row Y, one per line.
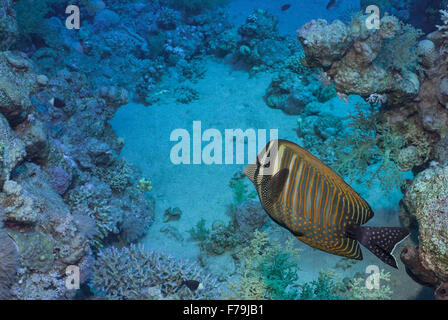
column 133, row 273
column 354, row 57
column 67, row 198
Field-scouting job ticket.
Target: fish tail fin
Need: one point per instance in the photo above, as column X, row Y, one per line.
column 381, row 241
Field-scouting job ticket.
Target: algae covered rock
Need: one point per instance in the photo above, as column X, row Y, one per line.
column 12, row 149
column 8, row 25
column 363, row 62
column 35, row 248
column 17, row 83
column 8, row 264
column 325, row 43
column 250, row 216
column 427, row 200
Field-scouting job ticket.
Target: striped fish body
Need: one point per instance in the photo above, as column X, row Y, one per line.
column 312, row 202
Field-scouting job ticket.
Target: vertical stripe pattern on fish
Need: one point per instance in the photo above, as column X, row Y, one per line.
column 314, row 203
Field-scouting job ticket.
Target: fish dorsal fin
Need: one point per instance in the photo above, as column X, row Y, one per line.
column 276, row 184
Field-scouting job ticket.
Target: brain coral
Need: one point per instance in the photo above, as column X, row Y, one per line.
column 133, row 273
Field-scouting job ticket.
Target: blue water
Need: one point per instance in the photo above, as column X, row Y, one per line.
column 121, row 90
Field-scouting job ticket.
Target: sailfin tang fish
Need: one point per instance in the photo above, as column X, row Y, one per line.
column 305, row 196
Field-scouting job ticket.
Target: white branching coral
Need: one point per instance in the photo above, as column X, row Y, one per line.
column 444, row 27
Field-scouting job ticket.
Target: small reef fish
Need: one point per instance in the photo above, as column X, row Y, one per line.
column 333, row 4
column 305, row 196
column 193, row 285
column 285, row 7
column 56, row 102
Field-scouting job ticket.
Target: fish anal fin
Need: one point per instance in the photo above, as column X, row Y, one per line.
column 276, row 184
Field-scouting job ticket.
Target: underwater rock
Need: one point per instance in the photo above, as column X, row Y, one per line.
column 12, row 149
column 292, row 92
column 19, row 207
column 432, row 99
column 172, row 214
column 349, row 54
column 426, row 49
column 36, row 250
column 59, row 179
column 100, row 152
column 46, row 247
column 17, row 84
column 168, row 19
column 8, row 26
column 8, row 264
column 272, row 51
column 33, row 133
column 115, row 96
column 106, row 19
column 427, row 200
column 259, row 25
column 409, row 158
column 324, row 43
column 225, row 43
column 250, row 216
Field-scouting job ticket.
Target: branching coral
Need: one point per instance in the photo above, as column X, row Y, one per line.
column 367, row 143
column 399, row 52
column 326, row 287
column 444, row 27
column 268, row 270
column 133, row 273
column 359, row 291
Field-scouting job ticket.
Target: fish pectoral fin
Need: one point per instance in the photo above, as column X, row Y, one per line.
column 276, row 184
column 249, row 171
